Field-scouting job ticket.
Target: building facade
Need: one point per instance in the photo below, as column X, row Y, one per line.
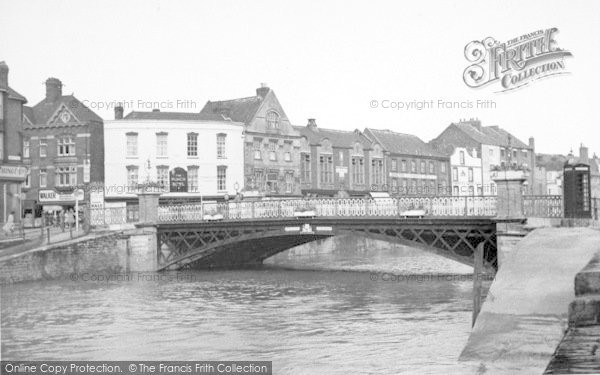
column 271, row 146
column 407, row 166
column 497, row 149
column 334, row 162
column 466, row 174
column 12, row 170
column 63, row 147
column 191, row 159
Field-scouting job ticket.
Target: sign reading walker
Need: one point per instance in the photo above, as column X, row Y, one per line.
column 514, row 63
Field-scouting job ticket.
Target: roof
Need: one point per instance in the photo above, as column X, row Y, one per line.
column 28, row 111
column 338, row 138
column 12, row 94
column 550, row 162
column 400, row 143
column 239, row 110
column 44, row 110
column 489, row 135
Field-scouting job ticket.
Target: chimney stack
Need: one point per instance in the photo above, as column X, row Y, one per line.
column 263, row 90
column 583, row 154
column 53, row 89
column 3, row 75
column 312, row 123
column 119, row 112
column 532, row 143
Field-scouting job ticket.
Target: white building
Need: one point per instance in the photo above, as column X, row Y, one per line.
column 192, row 159
column 466, row 173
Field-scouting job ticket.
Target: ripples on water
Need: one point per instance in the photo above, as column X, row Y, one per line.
column 306, row 322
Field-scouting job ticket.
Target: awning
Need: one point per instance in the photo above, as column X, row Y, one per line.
column 52, row 208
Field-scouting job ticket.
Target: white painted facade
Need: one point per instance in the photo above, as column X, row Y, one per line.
column 466, row 172
column 490, row 157
column 163, row 145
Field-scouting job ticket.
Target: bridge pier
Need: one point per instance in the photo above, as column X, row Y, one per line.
column 509, row 210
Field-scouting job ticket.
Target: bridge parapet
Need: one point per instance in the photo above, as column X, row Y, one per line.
column 476, row 206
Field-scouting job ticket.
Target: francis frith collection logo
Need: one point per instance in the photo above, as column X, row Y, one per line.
column 515, row 63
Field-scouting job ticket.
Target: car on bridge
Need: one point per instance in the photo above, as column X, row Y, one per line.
column 305, row 212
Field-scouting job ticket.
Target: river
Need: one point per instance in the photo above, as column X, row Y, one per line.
column 345, row 308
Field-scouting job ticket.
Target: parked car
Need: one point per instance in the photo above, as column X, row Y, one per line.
column 418, row 213
column 213, row 217
column 305, row 212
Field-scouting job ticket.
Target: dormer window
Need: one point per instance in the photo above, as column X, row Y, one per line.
column 272, row 120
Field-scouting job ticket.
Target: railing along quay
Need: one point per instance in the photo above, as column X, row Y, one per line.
column 548, row 206
column 330, row 207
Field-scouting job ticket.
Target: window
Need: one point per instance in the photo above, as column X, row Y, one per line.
column 193, row 178
column 221, row 178
column 289, row 182
column 305, row 168
column 443, row 167
column 192, row 144
column 132, row 145
column 422, row 166
column 455, row 190
column 326, row 164
column 256, row 148
column 26, row 148
column 394, row 185
column 358, row 170
column 514, row 154
column 221, row 146
column 272, row 120
column 132, row 177
column 431, row 188
column 413, row 166
column 259, row 179
column 287, row 156
column 470, row 174
column 162, row 176
column 66, row 176
column 471, row 190
column 43, row 177
column 403, row 165
column 394, row 165
column 431, row 167
column 524, row 153
column 273, row 150
column 161, row 145
column 491, row 152
column 454, row 174
column 1, row 146
column 66, row 146
column 377, row 171
column 462, row 157
column 43, row 148
column 27, row 182
column 502, row 152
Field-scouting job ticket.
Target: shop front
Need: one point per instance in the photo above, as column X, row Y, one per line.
column 11, row 179
column 52, row 205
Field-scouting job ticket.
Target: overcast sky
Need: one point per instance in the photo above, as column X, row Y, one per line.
column 324, row 59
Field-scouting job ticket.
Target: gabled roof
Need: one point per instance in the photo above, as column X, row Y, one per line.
column 44, row 110
column 338, row 138
column 12, row 94
column 400, row 143
column 28, row 112
column 489, row 135
column 239, row 110
column 156, row 115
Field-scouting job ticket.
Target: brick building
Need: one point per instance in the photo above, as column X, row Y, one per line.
column 63, row 145
column 409, row 166
column 332, row 161
column 12, row 169
column 271, row 144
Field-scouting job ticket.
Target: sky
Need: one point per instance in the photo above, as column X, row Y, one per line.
column 328, row 60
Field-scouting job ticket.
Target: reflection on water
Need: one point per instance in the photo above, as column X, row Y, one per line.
column 306, row 322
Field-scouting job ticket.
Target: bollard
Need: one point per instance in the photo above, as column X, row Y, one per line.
column 48, row 234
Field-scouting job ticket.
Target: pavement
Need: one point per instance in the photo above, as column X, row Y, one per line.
column 33, row 238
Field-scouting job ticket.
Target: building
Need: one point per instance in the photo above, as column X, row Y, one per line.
column 12, row 170
column 553, row 165
column 496, row 148
column 63, row 146
column 405, row 165
column 465, row 170
column 272, row 145
column 191, row 159
column 334, row 162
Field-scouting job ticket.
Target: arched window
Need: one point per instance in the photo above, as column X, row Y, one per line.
column 272, row 120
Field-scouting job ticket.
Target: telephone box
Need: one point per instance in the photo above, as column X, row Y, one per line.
column 576, row 190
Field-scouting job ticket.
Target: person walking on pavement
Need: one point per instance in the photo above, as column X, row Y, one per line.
column 9, row 227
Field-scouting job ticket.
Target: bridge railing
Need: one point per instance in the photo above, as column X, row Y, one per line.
column 546, row 206
column 330, row 207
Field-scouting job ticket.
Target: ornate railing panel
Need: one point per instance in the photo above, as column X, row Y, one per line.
column 543, row 206
column 328, row 207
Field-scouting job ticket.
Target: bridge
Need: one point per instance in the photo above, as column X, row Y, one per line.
column 214, row 235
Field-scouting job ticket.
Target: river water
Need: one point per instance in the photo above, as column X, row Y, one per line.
column 347, row 308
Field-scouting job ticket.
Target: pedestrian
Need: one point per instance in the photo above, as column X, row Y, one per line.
column 69, row 218
column 9, row 227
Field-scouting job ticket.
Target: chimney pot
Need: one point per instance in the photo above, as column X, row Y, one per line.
column 583, row 154
column 263, row 90
column 53, row 89
column 312, row 123
column 119, row 112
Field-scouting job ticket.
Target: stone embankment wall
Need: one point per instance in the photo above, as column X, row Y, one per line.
column 107, row 252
